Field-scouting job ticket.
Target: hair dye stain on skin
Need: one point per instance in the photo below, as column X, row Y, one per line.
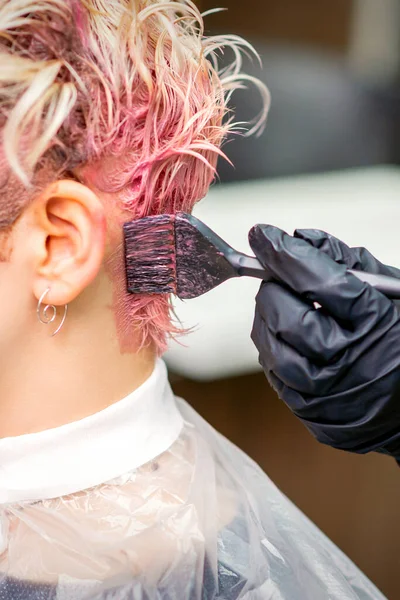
column 142, row 320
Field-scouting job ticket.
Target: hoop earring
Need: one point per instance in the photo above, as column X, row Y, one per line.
column 45, row 318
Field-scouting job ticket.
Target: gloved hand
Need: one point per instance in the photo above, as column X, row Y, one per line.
column 337, row 367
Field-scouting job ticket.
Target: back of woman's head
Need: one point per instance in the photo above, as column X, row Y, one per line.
column 122, row 95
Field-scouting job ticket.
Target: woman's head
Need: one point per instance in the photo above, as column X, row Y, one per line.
column 121, row 103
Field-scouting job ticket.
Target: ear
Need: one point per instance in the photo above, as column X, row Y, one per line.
column 69, row 227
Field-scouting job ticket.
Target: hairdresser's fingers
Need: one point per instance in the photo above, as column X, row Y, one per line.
column 291, row 398
column 311, row 410
column 330, row 347
column 315, row 276
column 294, row 370
column 359, row 259
column 328, row 419
column 338, row 422
column 332, row 246
column 311, row 332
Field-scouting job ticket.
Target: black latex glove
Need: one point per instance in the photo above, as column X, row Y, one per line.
column 338, row 367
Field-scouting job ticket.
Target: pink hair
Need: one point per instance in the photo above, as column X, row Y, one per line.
column 140, row 112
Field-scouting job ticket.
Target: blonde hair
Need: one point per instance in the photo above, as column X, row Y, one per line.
column 130, row 92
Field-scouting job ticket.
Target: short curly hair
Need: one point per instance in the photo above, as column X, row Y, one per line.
column 129, row 93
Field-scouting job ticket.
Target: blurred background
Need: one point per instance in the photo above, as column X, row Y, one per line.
column 333, row 70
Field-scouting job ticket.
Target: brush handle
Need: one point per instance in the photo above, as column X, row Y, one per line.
column 249, row 266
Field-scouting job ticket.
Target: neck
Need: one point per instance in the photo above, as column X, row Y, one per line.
column 49, row 381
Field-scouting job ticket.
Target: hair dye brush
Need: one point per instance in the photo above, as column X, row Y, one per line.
column 179, row 254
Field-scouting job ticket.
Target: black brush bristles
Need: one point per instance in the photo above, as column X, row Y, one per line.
column 150, row 255
column 175, row 254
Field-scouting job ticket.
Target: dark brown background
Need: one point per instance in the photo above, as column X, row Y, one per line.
column 324, row 23
column 354, row 499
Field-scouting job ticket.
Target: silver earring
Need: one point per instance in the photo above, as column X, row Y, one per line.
column 47, row 314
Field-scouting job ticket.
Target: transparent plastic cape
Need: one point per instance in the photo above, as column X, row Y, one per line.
column 200, row 522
